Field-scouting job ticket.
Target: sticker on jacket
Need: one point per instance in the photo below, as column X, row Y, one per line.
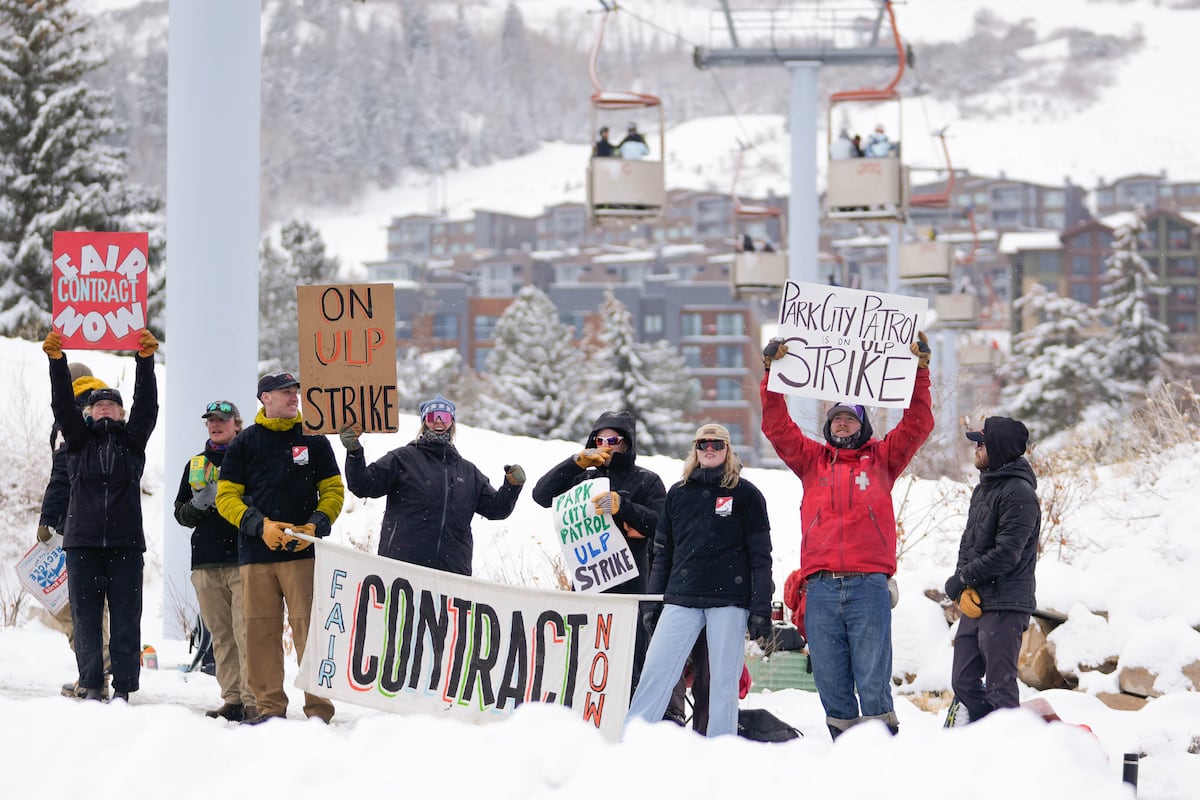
column 300, row 454
column 724, row 506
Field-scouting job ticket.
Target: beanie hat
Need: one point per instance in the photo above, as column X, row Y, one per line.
column 712, row 430
column 105, row 394
column 83, row 386
column 856, row 410
column 1005, row 439
column 78, row 370
column 438, row 403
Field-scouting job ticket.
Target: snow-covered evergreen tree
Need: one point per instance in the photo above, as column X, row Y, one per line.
column 535, row 371
column 1128, row 298
column 56, row 171
column 301, row 259
column 1059, row 367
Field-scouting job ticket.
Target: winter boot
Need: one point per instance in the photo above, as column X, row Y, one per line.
column 121, row 696
column 234, row 712
column 92, row 694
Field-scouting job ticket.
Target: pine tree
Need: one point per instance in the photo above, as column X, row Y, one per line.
column 56, row 171
column 534, row 369
column 1059, row 367
column 1139, row 339
column 302, row 260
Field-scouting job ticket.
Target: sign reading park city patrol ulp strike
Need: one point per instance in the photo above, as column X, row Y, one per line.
column 98, row 288
column 847, row 344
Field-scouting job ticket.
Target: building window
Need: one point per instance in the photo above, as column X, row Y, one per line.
column 445, row 326
column 1081, row 266
column 736, row 433
column 731, row 324
column 692, row 356
column 573, row 320
column 691, row 324
column 1183, row 295
column 1082, row 293
column 403, row 326
column 481, row 358
column 1054, row 199
column 1182, row 267
column 729, row 390
column 485, row 328
column 731, row 356
column 1182, row 322
column 1178, row 237
column 652, row 324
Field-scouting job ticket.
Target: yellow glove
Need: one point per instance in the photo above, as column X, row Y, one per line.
column 53, row 345
column 147, row 344
column 968, row 601
column 920, row 349
column 593, row 457
column 607, row 503
column 276, row 537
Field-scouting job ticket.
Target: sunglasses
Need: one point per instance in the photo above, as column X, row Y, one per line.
column 443, row 417
column 710, row 444
column 222, row 407
column 611, row 441
column 978, row 445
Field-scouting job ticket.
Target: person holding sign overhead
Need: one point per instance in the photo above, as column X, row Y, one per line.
column 848, row 544
column 712, row 564
column 432, row 492
column 104, row 540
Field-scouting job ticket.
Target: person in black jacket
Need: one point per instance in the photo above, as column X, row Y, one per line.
column 432, row 492
column 273, row 476
column 712, row 564
column 104, row 540
column 993, row 582
column 215, row 573
column 635, row 499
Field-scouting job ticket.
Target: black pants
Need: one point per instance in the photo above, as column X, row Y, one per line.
column 984, row 675
column 96, row 574
column 698, row 664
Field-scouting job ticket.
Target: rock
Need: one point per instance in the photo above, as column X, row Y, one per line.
column 1121, row 702
column 1035, row 664
column 1138, row 681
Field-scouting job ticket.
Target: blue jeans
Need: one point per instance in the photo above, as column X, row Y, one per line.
column 677, row 630
column 849, row 627
column 96, row 574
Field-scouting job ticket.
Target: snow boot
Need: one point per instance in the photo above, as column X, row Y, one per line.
column 234, row 712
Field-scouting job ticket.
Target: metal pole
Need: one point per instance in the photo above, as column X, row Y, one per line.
column 212, row 246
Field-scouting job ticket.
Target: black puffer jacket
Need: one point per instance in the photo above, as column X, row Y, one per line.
column 998, row 552
column 713, row 546
column 432, row 494
column 106, row 459
column 642, row 492
column 214, row 540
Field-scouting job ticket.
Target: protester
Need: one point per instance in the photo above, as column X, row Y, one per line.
column 993, row 581
column 634, row 500
column 712, row 564
column 103, row 538
column 848, row 544
column 216, row 576
column 53, row 517
column 274, row 475
column 432, row 492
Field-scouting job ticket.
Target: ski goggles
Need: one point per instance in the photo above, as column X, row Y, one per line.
column 439, row 417
column 609, row 441
column 710, row 444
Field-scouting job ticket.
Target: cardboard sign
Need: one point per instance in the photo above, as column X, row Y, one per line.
column 397, row 637
column 99, row 289
column 43, row 573
column 847, row 344
column 348, row 357
column 596, row 554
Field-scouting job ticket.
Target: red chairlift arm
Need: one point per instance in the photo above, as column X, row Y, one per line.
column 887, row 92
column 938, row 199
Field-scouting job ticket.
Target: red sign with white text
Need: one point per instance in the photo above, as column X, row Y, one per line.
column 99, row 289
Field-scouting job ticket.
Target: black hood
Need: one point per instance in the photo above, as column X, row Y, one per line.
column 864, row 434
column 621, row 421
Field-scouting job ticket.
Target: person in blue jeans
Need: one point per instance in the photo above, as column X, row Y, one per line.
column 848, row 544
column 712, row 564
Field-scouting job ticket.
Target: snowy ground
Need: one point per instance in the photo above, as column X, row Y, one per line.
column 1134, row 555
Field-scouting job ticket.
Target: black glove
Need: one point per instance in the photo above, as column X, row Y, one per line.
column 920, row 349
column 650, row 619
column 252, row 523
column 775, row 350
column 759, row 628
column 954, row 587
column 321, row 524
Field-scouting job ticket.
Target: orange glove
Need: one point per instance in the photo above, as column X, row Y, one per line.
column 53, row 345
column 607, row 503
column 276, row 537
column 969, row 602
column 147, row 344
column 593, row 457
column 308, row 529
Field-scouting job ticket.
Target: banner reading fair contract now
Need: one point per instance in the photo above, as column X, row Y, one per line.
column 399, row 637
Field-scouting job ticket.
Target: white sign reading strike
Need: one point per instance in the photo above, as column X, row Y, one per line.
column 847, row 344
column 595, row 552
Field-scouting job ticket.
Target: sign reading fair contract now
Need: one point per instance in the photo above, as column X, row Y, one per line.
column 348, row 357
column 98, row 288
column 847, row 344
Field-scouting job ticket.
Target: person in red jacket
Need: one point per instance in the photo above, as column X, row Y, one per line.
column 848, row 544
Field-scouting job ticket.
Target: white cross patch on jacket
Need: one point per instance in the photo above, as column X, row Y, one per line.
column 863, row 480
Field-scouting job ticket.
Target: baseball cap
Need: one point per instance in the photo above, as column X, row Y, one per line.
column 276, row 380
column 856, row 410
column 221, row 409
column 105, row 394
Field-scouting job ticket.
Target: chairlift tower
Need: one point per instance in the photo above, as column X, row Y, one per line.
column 802, row 36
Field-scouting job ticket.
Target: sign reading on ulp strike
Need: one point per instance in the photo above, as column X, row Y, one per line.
column 847, row 344
column 99, row 288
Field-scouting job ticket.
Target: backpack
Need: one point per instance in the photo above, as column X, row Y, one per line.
column 200, row 640
column 761, row 725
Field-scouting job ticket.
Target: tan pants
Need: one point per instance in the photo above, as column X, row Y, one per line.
column 265, row 589
column 219, row 592
column 63, row 622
